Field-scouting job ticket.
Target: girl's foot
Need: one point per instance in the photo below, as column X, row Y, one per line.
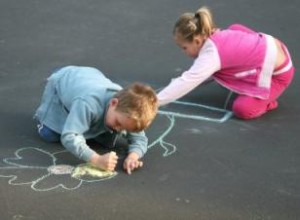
column 272, row 105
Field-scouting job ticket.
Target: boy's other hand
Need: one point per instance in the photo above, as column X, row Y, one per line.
column 132, row 162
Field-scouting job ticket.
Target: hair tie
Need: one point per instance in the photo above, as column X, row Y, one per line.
column 197, row 16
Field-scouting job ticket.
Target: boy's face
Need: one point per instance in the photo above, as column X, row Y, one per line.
column 118, row 121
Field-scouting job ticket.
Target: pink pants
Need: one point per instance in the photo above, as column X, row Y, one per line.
column 247, row 107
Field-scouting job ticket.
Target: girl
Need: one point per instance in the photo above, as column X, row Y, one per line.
column 255, row 65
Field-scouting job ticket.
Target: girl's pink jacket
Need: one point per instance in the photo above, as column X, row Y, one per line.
column 237, row 58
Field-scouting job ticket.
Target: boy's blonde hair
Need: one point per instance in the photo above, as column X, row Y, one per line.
column 189, row 24
column 139, row 102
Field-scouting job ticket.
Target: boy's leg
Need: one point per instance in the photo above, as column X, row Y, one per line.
column 47, row 134
column 247, row 107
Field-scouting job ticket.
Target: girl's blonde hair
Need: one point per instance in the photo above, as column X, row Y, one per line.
column 139, row 102
column 201, row 23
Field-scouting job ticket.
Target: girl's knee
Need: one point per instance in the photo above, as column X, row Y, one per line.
column 241, row 111
column 245, row 110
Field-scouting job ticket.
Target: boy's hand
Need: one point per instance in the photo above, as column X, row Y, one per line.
column 132, row 162
column 106, row 161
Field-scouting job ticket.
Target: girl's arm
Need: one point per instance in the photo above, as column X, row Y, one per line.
column 205, row 65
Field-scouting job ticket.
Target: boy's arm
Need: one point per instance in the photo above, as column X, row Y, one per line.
column 77, row 123
column 138, row 143
column 76, row 144
column 138, row 146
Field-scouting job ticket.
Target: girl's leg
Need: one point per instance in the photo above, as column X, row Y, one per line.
column 246, row 107
column 47, row 134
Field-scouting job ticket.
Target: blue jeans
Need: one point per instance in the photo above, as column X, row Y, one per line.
column 47, row 134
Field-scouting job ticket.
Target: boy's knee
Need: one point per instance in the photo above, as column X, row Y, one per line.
column 47, row 134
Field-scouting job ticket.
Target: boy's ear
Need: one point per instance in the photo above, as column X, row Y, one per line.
column 114, row 102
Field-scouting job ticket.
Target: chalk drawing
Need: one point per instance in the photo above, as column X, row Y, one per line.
column 170, row 148
column 225, row 114
column 17, row 165
column 88, row 169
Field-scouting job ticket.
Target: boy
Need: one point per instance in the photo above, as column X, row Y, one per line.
column 80, row 103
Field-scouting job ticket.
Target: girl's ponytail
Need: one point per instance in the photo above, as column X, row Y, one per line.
column 188, row 25
column 205, row 22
